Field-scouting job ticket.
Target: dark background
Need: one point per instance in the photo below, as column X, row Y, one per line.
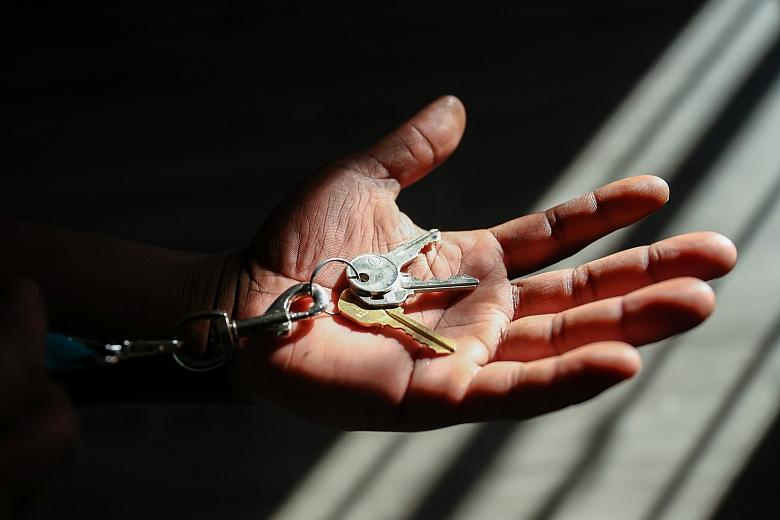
column 184, row 126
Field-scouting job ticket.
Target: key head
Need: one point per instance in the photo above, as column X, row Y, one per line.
column 376, row 274
column 367, row 317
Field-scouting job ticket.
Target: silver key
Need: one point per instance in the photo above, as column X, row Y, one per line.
column 380, row 282
column 380, row 273
column 410, row 285
column 407, row 251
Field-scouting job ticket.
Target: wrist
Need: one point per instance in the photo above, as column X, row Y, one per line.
column 223, row 282
column 211, row 283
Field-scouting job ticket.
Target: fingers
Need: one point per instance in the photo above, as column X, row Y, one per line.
column 702, row 255
column 514, row 390
column 640, row 317
column 416, row 147
column 533, row 241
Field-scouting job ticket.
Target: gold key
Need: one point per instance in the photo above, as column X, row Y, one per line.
column 393, row 317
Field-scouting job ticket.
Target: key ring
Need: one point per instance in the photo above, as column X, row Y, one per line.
column 329, row 260
column 326, row 262
column 220, row 328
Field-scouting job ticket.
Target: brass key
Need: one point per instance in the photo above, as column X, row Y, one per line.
column 393, row 317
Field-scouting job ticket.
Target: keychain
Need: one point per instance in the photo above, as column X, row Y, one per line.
column 378, row 287
column 64, row 353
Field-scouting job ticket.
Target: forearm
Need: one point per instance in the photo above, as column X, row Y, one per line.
column 100, row 286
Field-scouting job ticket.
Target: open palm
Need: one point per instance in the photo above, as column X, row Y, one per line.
column 524, row 347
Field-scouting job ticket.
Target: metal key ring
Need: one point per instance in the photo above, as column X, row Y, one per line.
column 221, row 327
column 326, row 262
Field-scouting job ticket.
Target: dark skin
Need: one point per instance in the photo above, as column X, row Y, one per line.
column 525, row 347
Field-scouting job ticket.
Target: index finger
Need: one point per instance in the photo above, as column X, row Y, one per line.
column 533, row 241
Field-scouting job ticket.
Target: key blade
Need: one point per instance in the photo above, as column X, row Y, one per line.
column 457, row 282
column 419, row 338
column 405, row 253
column 408, row 285
column 445, row 345
column 352, row 310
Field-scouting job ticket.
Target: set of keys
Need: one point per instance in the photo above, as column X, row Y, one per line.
column 378, row 286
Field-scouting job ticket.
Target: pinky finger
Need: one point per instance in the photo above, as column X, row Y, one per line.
column 517, row 390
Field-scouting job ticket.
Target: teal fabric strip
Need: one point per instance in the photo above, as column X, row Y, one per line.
column 66, row 353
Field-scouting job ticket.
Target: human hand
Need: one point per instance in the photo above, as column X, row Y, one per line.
column 37, row 425
column 524, row 348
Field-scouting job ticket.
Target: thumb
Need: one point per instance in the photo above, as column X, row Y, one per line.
column 416, row 147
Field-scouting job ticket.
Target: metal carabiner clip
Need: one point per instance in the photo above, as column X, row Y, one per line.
column 279, row 318
column 223, row 332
